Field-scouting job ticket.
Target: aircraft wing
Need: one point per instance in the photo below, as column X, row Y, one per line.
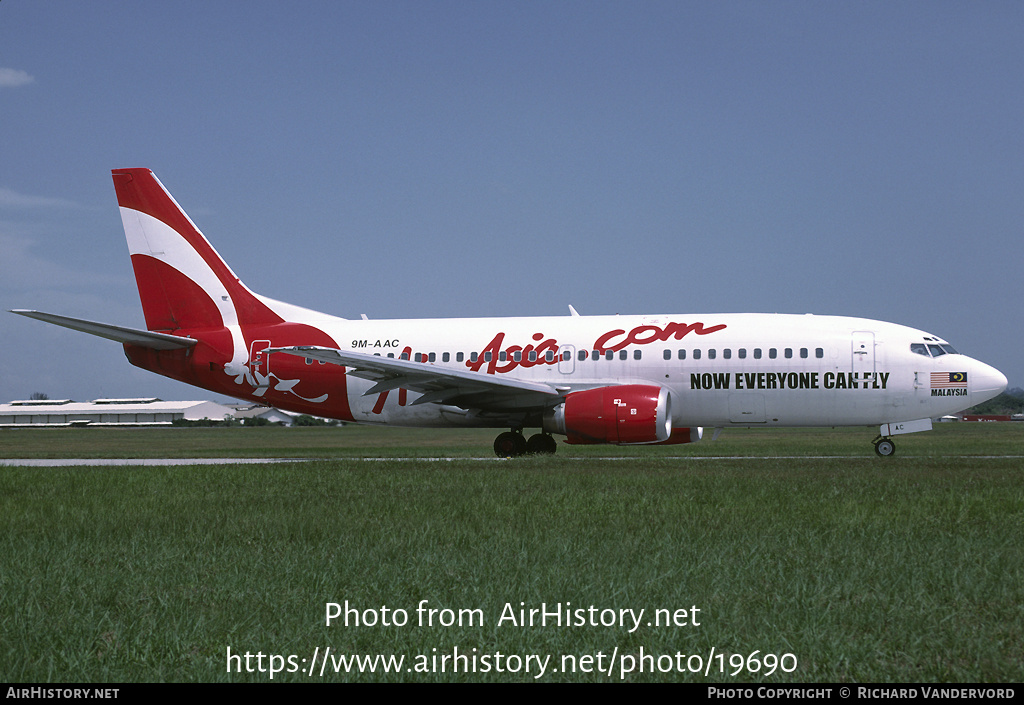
column 442, row 385
column 133, row 336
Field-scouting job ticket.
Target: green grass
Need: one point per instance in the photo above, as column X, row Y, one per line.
column 902, row 569
column 373, row 441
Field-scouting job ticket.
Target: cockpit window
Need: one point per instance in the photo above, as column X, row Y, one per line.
column 933, row 350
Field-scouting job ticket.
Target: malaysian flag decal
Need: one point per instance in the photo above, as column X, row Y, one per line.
column 949, row 380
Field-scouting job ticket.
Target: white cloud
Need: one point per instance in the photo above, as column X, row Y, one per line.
column 21, row 269
column 13, row 199
column 12, row 78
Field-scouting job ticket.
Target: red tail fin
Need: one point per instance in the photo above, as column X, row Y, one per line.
column 183, row 282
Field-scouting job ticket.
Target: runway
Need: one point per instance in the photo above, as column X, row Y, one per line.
column 106, row 462
column 166, row 462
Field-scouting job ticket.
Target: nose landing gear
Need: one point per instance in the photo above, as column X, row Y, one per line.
column 885, row 446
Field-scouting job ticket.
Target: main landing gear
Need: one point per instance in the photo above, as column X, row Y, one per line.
column 884, row 446
column 511, row 444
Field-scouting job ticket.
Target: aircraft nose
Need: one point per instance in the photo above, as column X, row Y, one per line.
column 986, row 382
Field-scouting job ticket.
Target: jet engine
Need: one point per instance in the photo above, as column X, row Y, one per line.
column 629, row 413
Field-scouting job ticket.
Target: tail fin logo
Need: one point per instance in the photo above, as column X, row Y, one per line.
column 183, row 282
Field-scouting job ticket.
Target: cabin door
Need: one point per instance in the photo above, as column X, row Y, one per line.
column 567, row 359
column 863, row 354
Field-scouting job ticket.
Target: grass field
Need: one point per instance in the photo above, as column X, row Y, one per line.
column 909, row 568
column 373, row 441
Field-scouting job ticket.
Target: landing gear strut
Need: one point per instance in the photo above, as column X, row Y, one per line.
column 512, row 444
column 885, row 447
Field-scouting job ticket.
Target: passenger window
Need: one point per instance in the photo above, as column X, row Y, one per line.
column 789, row 353
column 727, row 354
column 567, row 355
column 432, row 357
column 595, row 354
column 757, row 353
column 712, row 354
column 667, row 354
column 532, row 356
column 609, row 354
column 473, row 357
column 488, row 356
column 696, row 354
column 638, row 354
column 819, row 353
column 682, row 354
column 517, row 356
column 502, row 356
column 446, row 357
column 404, row 356
column 582, row 355
column 773, row 353
column 743, row 353
column 622, row 354
column 459, row 357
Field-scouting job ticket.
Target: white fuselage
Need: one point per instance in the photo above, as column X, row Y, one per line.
column 593, row 379
column 730, row 370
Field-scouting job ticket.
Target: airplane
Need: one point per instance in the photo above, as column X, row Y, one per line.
column 622, row 379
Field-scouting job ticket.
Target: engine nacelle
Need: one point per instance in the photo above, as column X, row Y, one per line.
column 686, row 434
column 629, row 413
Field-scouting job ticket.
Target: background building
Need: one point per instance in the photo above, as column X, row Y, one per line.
column 108, row 412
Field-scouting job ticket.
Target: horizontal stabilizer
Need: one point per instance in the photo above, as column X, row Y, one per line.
column 121, row 334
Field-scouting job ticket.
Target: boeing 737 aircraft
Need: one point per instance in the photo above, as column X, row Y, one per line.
column 592, row 379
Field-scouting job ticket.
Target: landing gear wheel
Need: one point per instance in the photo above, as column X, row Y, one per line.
column 509, row 444
column 541, row 444
column 885, row 447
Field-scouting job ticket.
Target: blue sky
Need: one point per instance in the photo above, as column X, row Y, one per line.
column 435, row 159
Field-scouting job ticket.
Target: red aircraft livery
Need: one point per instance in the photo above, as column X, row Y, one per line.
column 546, row 352
column 591, row 379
